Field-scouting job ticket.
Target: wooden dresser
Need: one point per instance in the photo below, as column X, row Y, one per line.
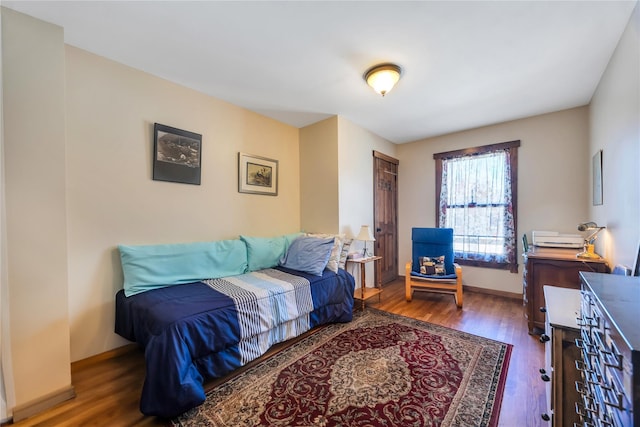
column 610, row 350
column 553, row 267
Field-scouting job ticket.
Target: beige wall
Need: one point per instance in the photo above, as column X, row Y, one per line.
column 355, row 159
column 71, row 199
column 356, row 146
column 319, row 177
column 615, row 129
column 112, row 199
column 551, row 174
column 36, row 240
column 5, row 355
column 336, row 175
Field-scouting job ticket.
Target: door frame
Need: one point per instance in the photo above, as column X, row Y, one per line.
column 384, row 157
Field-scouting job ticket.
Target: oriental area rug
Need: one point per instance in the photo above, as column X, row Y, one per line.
column 381, row 369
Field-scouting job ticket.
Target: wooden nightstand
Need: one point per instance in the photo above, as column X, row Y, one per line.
column 365, row 293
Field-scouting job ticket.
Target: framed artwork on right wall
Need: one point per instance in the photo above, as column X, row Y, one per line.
column 636, row 267
column 597, row 178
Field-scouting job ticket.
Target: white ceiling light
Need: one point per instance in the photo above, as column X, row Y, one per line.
column 383, row 77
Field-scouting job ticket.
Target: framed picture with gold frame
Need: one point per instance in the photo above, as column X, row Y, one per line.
column 257, row 175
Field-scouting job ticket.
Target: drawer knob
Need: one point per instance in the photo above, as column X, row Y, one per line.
column 543, row 309
column 545, row 378
column 544, row 338
column 542, row 371
column 545, row 417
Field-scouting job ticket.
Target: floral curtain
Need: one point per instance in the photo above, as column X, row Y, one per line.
column 476, row 201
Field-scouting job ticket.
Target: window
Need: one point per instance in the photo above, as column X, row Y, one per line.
column 476, row 195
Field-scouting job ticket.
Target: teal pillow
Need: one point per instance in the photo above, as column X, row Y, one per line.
column 149, row 267
column 264, row 252
column 308, row 254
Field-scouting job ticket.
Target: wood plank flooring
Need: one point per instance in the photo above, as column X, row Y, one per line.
column 108, row 390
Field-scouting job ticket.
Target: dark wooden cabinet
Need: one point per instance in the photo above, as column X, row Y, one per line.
column 610, row 351
column 560, row 372
column 553, row 267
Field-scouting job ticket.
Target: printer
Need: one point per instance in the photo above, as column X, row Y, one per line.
column 553, row 239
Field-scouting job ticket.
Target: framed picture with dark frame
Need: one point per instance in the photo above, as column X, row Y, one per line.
column 257, row 175
column 597, row 178
column 177, row 155
column 636, row 265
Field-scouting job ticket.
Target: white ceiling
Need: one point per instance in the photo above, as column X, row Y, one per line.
column 465, row 64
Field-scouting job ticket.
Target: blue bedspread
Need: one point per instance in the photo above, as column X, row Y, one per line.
column 195, row 332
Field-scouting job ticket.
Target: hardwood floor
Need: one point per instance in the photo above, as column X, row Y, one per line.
column 108, row 390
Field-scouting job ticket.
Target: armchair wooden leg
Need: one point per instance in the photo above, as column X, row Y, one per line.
column 459, row 298
column 459, row 286
column 407, row 281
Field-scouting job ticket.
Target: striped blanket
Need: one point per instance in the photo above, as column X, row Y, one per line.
column 272, row 305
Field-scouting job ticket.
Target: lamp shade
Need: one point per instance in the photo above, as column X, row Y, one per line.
column 382, row 78
column 590, row 226
column 587, row 226
column 365, row 234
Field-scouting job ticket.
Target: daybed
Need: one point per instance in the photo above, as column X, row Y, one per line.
column 202, row 310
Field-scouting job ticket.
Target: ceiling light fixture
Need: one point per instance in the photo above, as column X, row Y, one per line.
column 383, row 77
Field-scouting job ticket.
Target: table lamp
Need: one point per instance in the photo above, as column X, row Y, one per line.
column 588, row 242
column 365, row 236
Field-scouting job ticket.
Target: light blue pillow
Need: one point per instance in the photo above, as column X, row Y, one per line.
column 308, row 254
column 264, row 252
column 291, row 237
column 149, row 267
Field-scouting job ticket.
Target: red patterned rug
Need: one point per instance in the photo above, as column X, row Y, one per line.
column 379, row 370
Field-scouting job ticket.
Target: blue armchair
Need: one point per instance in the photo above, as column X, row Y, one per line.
column 431, row 267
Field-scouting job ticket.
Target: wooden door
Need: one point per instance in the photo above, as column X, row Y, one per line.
column 385, row 216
